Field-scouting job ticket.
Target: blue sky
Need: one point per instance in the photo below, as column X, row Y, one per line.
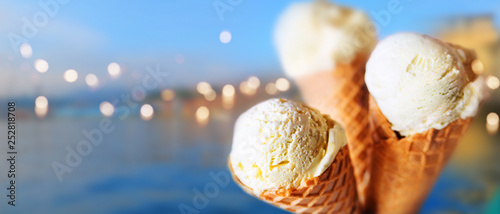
column 88, row 35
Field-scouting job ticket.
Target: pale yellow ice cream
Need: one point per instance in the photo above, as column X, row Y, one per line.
column 281, row 143
column 316, row 36
column 420, row 82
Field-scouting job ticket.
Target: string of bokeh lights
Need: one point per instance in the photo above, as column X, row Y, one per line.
column 492, row 82
column 71, row 75
column 247, row 87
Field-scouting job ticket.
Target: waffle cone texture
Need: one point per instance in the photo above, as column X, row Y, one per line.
column 342, row 94
column 405, row 169
column 331, row 192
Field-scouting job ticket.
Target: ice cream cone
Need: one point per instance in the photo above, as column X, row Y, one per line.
column 324, row 47
column 342, row 94
column 331, row 192
column 405, row 169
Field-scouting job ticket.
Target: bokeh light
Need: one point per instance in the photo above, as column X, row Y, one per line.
column 114, row 70
column 92, row 80
column 253, row 82
column 41, row 102
column 271, row 88
column 250, row 86
column 228, row 90
column 492, row 123
column 210, row 95
column 492, row 82
column 492, row 118
column 206, row 90
column 246, row 89
column 282, row 84
column 203, row 87
column 25, row 50
column 70, row 75
column 167, row 95
column 147, row 112
column 41, row 112
column 477, row 66
column 41, row 106
column 41, row 65
column 228, row 93
column 107, row 109
column 202, row 115
column 225, row 37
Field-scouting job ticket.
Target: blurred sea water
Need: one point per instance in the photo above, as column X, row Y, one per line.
column 149, row 167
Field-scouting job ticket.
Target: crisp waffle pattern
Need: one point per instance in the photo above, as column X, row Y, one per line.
column 343, row 95
column 332, row 192
column 405, row 170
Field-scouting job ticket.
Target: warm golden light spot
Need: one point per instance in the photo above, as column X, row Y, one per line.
column 477, row 66
column 25, row 50
column 228, row 90
column 41, row 65
column 41, row 106
column 202, row 115
column 282, row 84
column 41, row 112
column 167, row 94
column 147, row 112
column 91, row 80
column 70, row 75
column 253, row 82
column 492, row 123
column 107, row 109
column 271, row 88
column 492, row 118
column 41, row 102
column 203, row 88
column 210, row 95
column 228, row 93
column 492, row 82
column 114, row 70
column 246, row 89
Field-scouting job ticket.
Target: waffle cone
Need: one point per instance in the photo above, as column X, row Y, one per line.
column 405, row 169
column 342, row 94
column 331, row 192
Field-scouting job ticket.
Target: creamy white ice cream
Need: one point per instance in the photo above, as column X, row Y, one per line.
column 281, row 143
column 316, row 36
column 420, row 82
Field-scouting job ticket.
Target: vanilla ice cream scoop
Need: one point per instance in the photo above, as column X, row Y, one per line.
column 420, row 82
column 281, row 143
column 316, row 36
